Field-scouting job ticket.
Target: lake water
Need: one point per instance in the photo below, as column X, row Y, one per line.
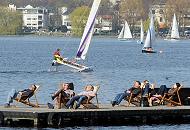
column 25, row 60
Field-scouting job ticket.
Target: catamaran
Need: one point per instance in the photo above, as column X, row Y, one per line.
column 125, row 33
column 84, row 43
column 174, row 30
column 150, row 38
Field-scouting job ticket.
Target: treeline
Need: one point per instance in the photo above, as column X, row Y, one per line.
column 10, row 22
column 134, row 10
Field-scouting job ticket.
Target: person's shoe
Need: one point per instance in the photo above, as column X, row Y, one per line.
column 50, row 106
column 7, row 105
column 113, row 103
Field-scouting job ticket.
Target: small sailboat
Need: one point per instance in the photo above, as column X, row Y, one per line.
column 174, row 30
column 125, row 33
column 150, row 38
column 142, row 33
column 84, row 43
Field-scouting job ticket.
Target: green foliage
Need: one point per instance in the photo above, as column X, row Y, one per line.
column 146, row 24
column 10, row 22
column 78, row 20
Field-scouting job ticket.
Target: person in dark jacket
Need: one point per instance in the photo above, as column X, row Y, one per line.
column 135, row 90
column 20, row 95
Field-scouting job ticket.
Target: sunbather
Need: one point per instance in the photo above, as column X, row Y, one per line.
column 135, row 90
column 88, row 93
column 63, row 94
column 157, row 96
column 163, row 92
column 20, row 95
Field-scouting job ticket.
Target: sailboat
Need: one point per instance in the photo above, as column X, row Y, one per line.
column 150, row 38
column 125, row 32
column 84, row 43
column 174, row 30
column 142, row 33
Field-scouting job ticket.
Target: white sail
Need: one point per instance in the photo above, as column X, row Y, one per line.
column 174, row 32
column 142, row 32
column 148, row 39
column 127, row 31
column 150, row 34
column 152, row 28
column 88, row 31
column 122, row 32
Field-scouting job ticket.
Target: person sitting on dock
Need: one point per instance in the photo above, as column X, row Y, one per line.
column 87, row 94
column 135, row 90
column 62, row 96
column 20, row 95
column 57, row 56
column 157, row 96
column 145, row 86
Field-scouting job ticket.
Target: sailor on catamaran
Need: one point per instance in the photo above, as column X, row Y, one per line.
column 57, row 56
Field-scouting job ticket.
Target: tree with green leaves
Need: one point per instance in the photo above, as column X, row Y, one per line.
column 146, row 24
column 10, row 22
column 78, row 20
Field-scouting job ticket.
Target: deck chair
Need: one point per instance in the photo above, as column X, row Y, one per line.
column 26, row 100
column 88, row 103
column 173, row 98
column 60, row 101
column 134, row 99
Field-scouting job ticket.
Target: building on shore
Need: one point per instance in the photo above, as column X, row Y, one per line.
column 34, row 18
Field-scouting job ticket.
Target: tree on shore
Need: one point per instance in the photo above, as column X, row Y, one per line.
column 10, row 22
column 78, row 20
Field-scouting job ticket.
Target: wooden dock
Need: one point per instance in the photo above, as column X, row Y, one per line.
column 104, row 116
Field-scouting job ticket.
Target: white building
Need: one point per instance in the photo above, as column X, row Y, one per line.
column 65, row 17
column 114, row 1
column 158, row 11
column 34, row 18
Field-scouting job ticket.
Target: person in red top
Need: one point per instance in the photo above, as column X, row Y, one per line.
column 57, row 55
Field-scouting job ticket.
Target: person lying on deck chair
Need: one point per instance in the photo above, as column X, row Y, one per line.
column 63, row 94
column 157, row 96
column 20, row 95
column 163, row 91
column 87, row 94
column 135, row 90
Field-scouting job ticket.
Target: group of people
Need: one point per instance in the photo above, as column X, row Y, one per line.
column 65, row 97
column 145, row 90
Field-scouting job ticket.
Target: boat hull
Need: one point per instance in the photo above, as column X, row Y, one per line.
column 74, row 65
column 146, row 51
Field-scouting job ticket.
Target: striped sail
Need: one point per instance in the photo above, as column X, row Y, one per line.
column 88, row 31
